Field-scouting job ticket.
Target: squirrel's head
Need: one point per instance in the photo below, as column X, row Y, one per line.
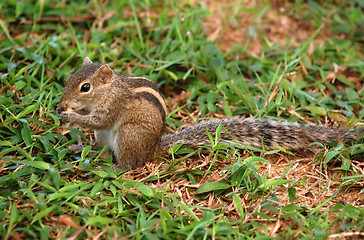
column 85, row 87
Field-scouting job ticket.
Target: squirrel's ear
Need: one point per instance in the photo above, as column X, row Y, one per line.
column 104, row 73
column 86, row 61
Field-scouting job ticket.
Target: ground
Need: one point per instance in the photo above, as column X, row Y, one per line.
column 211, row 59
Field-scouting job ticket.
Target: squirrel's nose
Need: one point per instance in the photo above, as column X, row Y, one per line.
column 59, row 110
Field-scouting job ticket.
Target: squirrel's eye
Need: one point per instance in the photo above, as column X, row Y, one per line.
column 85, row 87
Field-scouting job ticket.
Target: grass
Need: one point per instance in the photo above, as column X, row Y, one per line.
column 230, row 192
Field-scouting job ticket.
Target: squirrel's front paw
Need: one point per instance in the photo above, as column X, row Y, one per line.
column 67, row 116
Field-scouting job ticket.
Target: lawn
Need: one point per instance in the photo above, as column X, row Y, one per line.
column 297, row 61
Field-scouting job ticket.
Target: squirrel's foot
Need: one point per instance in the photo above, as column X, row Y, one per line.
column 77, row 148
column 67, row 116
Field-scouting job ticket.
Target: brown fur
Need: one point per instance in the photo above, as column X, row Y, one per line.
column 131, row 122
column 128, row 114
column 259, row 133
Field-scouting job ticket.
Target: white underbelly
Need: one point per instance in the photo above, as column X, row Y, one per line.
column 106, row 137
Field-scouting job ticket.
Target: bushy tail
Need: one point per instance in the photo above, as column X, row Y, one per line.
column 253, row 132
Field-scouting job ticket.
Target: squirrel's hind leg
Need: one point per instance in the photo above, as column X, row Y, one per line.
column 135, row 146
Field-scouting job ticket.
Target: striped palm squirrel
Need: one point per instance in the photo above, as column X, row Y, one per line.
column 128, row 114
